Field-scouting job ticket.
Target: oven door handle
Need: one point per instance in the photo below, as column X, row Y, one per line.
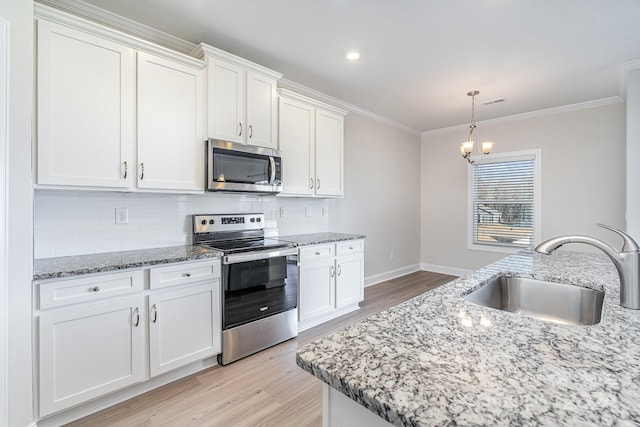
column 255, row 256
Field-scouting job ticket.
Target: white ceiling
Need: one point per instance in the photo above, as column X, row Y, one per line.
column 420, row 57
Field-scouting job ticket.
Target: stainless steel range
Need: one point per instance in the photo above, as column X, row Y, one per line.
column 259, row 283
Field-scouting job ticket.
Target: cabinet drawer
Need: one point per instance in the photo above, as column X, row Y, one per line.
column 55, row 294
column 352, row 246
column 310, row 253
column 161, row 277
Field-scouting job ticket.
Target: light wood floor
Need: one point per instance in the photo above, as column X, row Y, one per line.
column 266, row 389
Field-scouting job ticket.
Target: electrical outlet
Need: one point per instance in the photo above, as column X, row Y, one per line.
column 325, row 211
column 392, row 255
column 307, row 211
column 122, row 216
column 283, row 213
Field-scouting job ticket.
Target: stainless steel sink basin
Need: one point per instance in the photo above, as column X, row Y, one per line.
column 549, row 301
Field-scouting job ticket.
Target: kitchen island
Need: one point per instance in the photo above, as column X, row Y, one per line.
column 438, row 360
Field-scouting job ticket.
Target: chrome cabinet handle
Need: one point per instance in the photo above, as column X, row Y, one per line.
column 333, row 271
column 95, row 289
column 141, row 171
column 250, row 131
column 187, row 274
column 136, row 313
column 126, row 167
column 154, row 310
column 317, row 253
column 339, row 269
column 312, row 183
column 240, row 124
column 317, row 183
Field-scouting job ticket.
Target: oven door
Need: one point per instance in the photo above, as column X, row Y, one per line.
column 243, row 168
column 258, row 285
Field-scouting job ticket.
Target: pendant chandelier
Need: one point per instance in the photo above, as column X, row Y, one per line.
column 466, row 148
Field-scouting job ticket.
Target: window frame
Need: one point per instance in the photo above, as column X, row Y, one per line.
column 536, row 155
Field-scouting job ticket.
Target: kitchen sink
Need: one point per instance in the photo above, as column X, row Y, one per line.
column 549, row 301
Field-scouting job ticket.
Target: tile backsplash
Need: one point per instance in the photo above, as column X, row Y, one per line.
column 82, row 222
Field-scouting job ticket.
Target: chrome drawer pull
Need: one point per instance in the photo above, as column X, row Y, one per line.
column 95, row 289
column 187, row 274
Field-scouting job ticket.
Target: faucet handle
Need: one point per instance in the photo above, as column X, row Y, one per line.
column 630, row 244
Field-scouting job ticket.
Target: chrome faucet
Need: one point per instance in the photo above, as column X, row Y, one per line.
column 627, row 261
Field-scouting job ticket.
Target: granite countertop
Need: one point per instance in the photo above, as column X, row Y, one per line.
column 52, row 268
column 319, row 238
column 437, row 360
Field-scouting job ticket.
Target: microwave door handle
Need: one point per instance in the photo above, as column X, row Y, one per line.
column 272, row 167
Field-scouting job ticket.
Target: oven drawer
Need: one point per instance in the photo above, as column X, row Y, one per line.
column 316, row 252
column 350, row 247
column 162, row 277
column 85, row 289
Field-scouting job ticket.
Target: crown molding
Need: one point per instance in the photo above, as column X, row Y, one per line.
column 538, row 113
column 323, row 97
column 298, row 97
column 625, row 68
column 65, row 18
column 120, row 23
column 204, row 50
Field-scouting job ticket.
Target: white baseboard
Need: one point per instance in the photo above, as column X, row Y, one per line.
column 388, row 275
column 443, row 269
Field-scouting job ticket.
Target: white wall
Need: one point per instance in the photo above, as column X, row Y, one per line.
column 81, row 222
column 382, row 187
column 18, row 381
column 633, row 152
column 583, row 180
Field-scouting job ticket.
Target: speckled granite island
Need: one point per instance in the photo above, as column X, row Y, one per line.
column 54, row 268
column 438, row 360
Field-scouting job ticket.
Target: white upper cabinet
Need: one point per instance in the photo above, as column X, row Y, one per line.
column 241, row 99
column 311, row 138
column 106, row 120
column 297, row 143
column 329, row 153
column 170, row 115
column 85, row 109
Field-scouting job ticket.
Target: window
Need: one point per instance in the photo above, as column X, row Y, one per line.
column 504, row 201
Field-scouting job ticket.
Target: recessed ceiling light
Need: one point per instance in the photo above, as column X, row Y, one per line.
column 353, row 55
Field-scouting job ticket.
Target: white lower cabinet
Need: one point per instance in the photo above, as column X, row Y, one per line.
column 99, row 334
column 331, row 281
column 317, row 289
column 183, row 326
column 90, row 350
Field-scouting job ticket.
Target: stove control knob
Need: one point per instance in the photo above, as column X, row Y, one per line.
column 212, row 221
column 203, row 222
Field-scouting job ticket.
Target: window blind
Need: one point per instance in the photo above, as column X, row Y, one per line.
column 503, row 203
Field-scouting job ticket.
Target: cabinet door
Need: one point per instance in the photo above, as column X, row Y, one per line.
column 184, row 326
column 296, row 141
column 349, row 279
column 85, row 109
column 170, row 114
column 262, row 111
column 329, row 153
column 226, row 95
column 317, row 290
column 90, row 350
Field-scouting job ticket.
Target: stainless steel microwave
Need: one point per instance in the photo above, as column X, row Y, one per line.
column 243, row 168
